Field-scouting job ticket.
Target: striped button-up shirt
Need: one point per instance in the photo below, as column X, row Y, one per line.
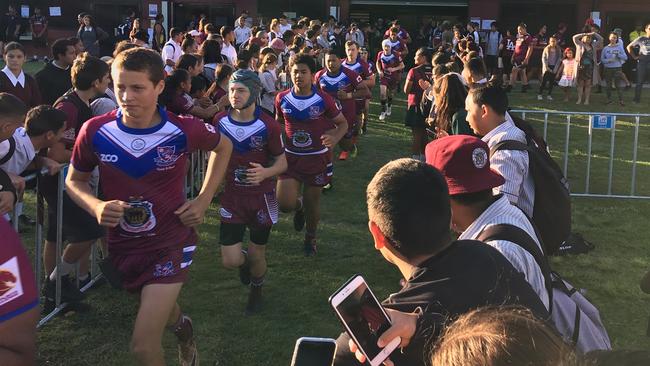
column 502, row 212
column 513, row 166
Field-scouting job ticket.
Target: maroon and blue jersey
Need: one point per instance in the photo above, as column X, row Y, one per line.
column 306, row 119
column 145, row 168
column 388, row 61
column 346, row 80
column 18, row 293
column 258, row 141
column 398, row 46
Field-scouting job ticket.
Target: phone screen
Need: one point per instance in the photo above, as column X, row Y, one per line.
column 314, row 353
column 365, row 319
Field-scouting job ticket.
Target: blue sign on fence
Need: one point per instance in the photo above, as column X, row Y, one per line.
column 605, row 122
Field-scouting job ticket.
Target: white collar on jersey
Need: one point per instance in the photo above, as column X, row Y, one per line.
column 15, row 80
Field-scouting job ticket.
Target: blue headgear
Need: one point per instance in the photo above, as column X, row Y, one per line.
column 251, row 80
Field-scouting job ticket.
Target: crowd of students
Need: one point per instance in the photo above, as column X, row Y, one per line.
column 283, row 100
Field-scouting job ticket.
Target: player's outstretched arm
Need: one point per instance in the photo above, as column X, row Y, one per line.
column 191, row 213
column 107, row 213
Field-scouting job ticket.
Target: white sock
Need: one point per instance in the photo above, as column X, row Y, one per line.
column 84, row 277
column 300, row 207
column 65, row 269
column 19, row 209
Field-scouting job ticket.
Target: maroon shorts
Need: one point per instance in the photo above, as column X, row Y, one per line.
column 256, row 210
column 169, row 265
column 392, row 82
column 312, row 170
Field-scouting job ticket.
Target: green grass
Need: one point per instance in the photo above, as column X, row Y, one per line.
column 297, row 289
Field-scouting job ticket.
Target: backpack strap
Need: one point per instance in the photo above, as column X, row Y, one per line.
column 509, row 145
column 521, row 238
column 10, row 153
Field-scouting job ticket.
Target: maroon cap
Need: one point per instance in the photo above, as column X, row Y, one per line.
column 465, row 162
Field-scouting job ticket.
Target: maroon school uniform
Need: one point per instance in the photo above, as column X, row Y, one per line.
column 146, row 168
column 346, row 80
column 218, row 94
column 422, row 72
column 522, row 43
column 181, row 104
column 258, row 141
column 18, row 293
column 390, row 79
column 306, row 119
column 28, row 93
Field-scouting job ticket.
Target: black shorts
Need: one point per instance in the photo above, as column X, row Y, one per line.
column 507, row 64
column 78, row 225
column 415, row 118
column 231, row 234
column 491, row 62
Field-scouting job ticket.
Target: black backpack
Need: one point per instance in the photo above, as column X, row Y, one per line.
column 552, row 206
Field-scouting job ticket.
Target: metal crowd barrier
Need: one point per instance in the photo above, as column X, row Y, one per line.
column 596, row 121
column 196, row 173
column 95, row 274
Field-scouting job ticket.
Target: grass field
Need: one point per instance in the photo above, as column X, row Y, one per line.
column 297, row 289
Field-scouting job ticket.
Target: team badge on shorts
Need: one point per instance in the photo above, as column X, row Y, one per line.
column 164, row 270
column 480, row 158
column 262, row 217
column 139, row 217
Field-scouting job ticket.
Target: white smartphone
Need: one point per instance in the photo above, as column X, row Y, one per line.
column 314, row 352
column 364, row 319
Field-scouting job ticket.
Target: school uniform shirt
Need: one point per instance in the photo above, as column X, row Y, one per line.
column 20, row 148
column 501, row 211
column 53, row 81
column 242, row 34
column 230, row 53
column 181, row 104
column 519, row 187
column 269, row 81
column 104, row 104
column 24, row 87
column 171, row 51
column 644, row 47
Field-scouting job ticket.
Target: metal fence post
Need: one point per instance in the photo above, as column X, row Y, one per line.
column 546, row 127
column 634, row 155
column 566, row 144
column 589, row 141
column 611, row 158
column 59, row 235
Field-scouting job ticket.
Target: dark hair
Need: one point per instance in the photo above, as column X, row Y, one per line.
column 440, row 58
column 13, row 46
column 141, row 35
column 254, row 49
column 174, row 32
column 186, row 61
column 187, row 42
column 409, row 201
column 44, row 118
column 123, row 46
column 331, row 52
column 142, row 60
column 225, row 30
column 11, row 107
column 210, row 28
column 244, row 58
column 223, row 71
column 60, row 47
column 287, row 36
column 305, row 59
column 476, row 67
column 491, row 95
column 351, row 43
column 211, row 52
column 311, row 34
column 74, row 40
column 471, row 199
column 86, row 69
column 424, row 51
column 91, row 21
column 450, row 98
column 198, row 84
column 172, row 84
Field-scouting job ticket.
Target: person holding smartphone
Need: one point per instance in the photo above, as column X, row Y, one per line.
column 409, row 214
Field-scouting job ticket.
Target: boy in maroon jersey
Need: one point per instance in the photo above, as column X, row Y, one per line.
column 506, row 49
column 354, row 62
column 142, row 153
column 313, row 125
column 524, row 44
column 397, row 44
column 389, row 67
column 249, row 197
column 344, row 85
column 417, row 77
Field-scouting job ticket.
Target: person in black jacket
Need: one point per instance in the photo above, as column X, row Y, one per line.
column 54, row 80
column 409, row 212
